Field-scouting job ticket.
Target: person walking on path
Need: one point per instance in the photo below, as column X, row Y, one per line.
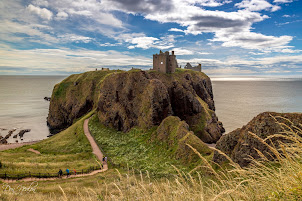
column 74, row 172
column 67, row 171
column 60, row 173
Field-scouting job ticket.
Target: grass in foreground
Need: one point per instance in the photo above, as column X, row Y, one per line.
column 67, row 149
column 278, row 180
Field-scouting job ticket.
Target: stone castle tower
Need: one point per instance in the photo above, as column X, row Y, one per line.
column 164, row 62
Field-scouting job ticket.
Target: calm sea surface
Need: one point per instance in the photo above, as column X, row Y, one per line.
column 22, row 105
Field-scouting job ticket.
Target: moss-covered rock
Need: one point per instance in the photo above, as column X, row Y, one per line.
column 137, row 98
column 144, row 99
column 175, row 135
column 73, row 97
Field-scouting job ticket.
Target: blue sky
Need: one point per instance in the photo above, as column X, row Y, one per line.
column 229, row 38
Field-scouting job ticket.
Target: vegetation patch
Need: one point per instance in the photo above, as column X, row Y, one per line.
column 68, row 149
column 135, row 149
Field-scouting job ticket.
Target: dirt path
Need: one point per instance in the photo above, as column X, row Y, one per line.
column 95, row 150
column 34, row 151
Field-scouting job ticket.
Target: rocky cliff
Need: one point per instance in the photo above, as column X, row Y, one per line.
column 144, row 99
column 240, row 145
column 138, row 98
column 73, row 97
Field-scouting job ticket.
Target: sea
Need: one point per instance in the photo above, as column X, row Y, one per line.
column 237, row 101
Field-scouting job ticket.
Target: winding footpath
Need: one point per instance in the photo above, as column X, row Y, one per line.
column 95, row 150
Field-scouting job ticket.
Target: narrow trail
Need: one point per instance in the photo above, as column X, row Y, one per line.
column 95, row 150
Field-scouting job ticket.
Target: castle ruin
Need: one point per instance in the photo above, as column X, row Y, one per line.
column 196, row 68
column 164, row 62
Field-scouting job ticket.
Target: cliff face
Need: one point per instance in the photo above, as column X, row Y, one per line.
column 144, row 99
column 137, row 98
column 239, row 144
column 72, row 98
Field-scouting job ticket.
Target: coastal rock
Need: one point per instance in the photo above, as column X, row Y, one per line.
column 22, row 132
column 144, row 99
column 69, row 101
column 47, row 98
column 137, row 98
column 240, row 145
column 174, row 134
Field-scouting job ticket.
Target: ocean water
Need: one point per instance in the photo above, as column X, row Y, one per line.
column 237, row 101
column 22, row 105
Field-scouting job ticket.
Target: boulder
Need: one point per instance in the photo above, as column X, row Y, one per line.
column 241, row 146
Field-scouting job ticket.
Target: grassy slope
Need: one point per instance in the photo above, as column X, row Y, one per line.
column 68, row 149
column 66, row 89
column 280, row 180
column 135, row 149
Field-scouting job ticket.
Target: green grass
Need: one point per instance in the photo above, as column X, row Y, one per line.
column 80, row 86
column 135, row 149
column 67, row 149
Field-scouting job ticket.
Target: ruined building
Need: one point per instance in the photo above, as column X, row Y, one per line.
column 164, row 62
column 196, row 68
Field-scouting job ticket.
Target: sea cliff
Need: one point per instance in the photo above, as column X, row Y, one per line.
column 127, row 99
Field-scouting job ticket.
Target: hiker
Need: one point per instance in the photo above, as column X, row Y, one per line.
column 67, row 171
column 60, row 173
column 106, row 159
column 74, row 172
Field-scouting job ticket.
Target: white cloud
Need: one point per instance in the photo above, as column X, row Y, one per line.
column 74, row 38
column 66, row 60
column 61, row 16
column 42, row 12
column 250, row 40
column 142, row 42
column 283, row 1
column 10, row 31
column 257, row 5
column 176, row 30
column 289, row 51
column 109, row 44
column 230, row 28
column 181, row 51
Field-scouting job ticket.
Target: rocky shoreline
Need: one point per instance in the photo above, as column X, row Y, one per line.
column 20, row 134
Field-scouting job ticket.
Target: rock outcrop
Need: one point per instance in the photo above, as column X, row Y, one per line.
column 240, row 145
column 174, row 134
column 72, row 98
column 137, row 98
column 144, row 99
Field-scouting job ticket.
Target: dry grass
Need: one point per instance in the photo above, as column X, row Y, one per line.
column 263, row 180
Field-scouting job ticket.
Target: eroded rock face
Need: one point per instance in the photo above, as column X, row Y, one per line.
column 137, row 98
column 144, row 99
column 132, row 99
column 239, row 145
column 72, row 98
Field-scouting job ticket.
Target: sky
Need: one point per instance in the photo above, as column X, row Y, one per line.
column 246, row 38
